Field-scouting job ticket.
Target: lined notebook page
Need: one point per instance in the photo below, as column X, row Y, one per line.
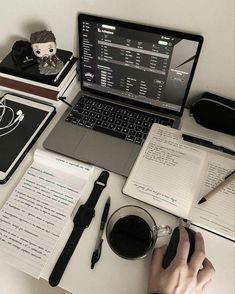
column 218, row 213
column 33, row 217
column 167, row 173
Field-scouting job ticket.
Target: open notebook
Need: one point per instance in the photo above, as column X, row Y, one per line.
column 38, row 209
column 173, row 175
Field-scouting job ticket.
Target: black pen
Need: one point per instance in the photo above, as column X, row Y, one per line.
column 207, row 143
column 98, row 245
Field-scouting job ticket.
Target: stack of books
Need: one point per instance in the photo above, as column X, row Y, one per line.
column 29, row 81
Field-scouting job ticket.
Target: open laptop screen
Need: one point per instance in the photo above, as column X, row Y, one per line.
column 137, row 63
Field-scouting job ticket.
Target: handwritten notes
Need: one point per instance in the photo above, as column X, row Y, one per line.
column 167, row 172
column 218, row 212
column 173, row 175
column 34, row 215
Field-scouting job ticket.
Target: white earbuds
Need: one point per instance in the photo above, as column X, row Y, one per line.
column 14, row 121
column 19, row 113
column 20, row 116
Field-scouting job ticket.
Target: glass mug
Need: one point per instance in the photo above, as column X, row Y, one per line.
column 132, row 232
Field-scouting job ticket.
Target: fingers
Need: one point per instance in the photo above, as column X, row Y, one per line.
column 156, row 268
column 157, row 258
column 206, row 274
column 204, row 287
column 199, row 253
column 183, row 247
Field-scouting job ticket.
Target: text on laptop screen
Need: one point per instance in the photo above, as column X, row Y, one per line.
column 138, row 65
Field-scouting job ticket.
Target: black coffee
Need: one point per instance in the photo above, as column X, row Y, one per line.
column 131, row 236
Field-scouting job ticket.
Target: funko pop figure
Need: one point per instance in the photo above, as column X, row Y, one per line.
column 44, row 47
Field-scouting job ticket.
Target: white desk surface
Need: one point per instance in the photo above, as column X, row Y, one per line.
column 112, row 274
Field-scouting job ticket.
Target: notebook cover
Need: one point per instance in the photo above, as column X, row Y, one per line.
column 8, row 66
column 27, row 88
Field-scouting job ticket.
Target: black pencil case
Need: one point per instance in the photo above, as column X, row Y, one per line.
column 215, row 112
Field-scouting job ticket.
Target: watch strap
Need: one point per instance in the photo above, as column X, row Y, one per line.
column 99, row 185
column 82, row 220
column 65, row 255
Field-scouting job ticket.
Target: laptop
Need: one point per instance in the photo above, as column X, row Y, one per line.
column 131, row 76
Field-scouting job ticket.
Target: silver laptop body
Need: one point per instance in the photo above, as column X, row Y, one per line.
column 146, row 69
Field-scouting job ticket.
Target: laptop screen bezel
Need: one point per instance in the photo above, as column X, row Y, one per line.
column 115, row 22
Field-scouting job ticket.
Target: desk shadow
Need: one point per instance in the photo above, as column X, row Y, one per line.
column 27, row 29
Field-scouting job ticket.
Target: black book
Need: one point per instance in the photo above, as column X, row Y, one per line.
column 8, row 66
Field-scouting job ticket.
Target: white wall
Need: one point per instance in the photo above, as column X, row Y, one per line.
column 214, row 19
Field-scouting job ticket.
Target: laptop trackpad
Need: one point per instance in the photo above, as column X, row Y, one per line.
column 107, row 152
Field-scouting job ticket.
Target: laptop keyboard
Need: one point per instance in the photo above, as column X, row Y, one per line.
column 114, row 120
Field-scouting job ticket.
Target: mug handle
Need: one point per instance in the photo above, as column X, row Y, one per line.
column 163, row 230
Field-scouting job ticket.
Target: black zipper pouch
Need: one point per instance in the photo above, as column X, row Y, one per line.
column 215, row 112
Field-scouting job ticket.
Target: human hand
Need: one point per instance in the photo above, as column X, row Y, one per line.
column 181, row 277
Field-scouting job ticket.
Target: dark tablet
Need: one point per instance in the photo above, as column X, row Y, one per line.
column 21, row 123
